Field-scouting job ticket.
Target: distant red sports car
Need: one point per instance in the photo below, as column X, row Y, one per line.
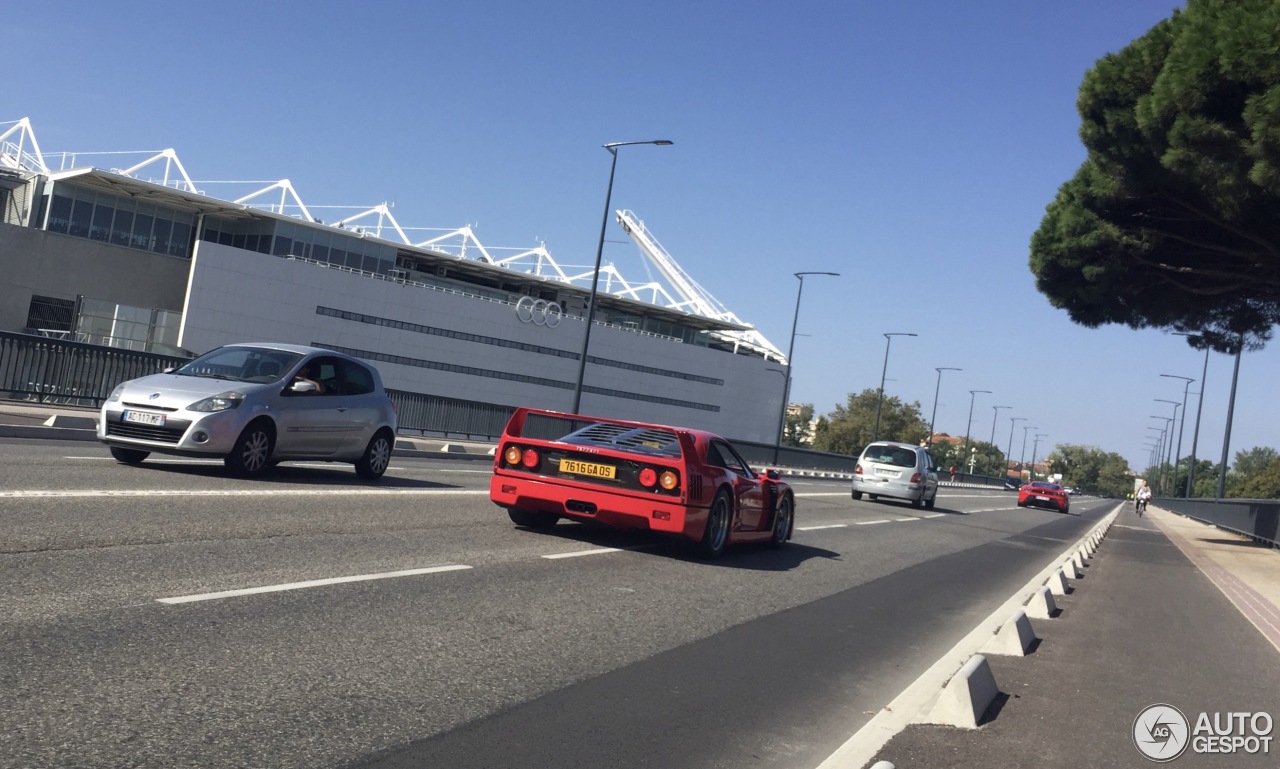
column 1042, row 494
column 552, row 465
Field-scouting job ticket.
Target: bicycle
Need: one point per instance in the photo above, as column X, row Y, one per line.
column 1139, row 505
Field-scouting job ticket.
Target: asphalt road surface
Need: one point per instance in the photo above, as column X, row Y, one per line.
column 169, row 616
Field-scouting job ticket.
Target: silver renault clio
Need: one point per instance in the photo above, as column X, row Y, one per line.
column 255, row 405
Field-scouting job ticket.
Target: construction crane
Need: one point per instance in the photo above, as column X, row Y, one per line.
column 692, row 297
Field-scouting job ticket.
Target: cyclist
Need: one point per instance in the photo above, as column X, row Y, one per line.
column 1141, row 499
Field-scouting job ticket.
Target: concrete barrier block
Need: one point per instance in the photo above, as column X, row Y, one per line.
column 404, row 445
column 1042, row 605
column 454, row 448
column 1057, row 583
column 966, row 696
column 1078, row 557
column 1014, row 638
column 1069, row 569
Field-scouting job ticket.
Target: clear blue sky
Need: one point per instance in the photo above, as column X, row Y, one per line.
column 910, row 146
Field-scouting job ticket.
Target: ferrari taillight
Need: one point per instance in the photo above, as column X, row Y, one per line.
column 512, row 455
column 530, row 458
column 648, row 477
column 669, row 480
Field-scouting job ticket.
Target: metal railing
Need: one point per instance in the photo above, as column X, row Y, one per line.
column 1257, row 519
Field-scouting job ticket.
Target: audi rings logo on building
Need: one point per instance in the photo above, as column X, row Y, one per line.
column 539, row 312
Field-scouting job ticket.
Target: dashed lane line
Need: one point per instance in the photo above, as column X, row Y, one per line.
column 307, row 584
column 815, row 528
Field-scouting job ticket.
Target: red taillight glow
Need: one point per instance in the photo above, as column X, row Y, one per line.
column 530, row 458
column 915, row 477
column 512, row 455
column 858, row 470
column 648, row 477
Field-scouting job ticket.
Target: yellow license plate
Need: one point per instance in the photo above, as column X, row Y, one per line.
column 588, row 468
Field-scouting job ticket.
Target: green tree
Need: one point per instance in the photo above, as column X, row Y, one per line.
column 1091, row 469
column 1249, row 465
column 796, row 427
column 1263, row 484
column 848, row 429
column 1170, row 221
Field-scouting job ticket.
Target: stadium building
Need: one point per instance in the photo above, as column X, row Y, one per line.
column 140, row 258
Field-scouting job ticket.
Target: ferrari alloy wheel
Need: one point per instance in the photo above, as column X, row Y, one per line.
column 531, row 518
column 716, row 536
column 783, row 519
column 252, row 451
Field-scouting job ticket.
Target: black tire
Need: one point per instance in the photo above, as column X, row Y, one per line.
column 783, row 521
column 251, row 455
column 129, row 456
column 918, row 503
column 857, row 495
column 715, row 537
column 532, row 519
column 931, row 501
column 376, row 457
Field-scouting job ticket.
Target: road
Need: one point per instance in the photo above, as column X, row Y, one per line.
column 503, row 647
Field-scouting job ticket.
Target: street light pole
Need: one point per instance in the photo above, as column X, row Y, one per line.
column 1034, row 448
column 1173, row 486
column 936, row 390
column 1022, row 455
column 1183, row 424
column 888, row 339
column 1226, row 434
column 786, row 382
column 972, row 394
column 1013, row 422
column 995, row 417
column 1166, row 435
column 595, row 275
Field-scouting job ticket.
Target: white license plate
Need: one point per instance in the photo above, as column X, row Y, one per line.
column 1043, row 499
column 144, row 418
column 882, row 471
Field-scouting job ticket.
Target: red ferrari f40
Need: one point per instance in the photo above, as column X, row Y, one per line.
column 551, row 465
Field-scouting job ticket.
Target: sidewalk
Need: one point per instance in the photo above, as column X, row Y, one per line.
column 1170, row 611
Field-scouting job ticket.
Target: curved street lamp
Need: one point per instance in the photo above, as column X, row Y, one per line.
column 1035, row 447
column 786, row 381
column 1013, row 421
column 595, row 275
column 995, row 417
column 972, row 394
column 1182, row 425
column 936, row 390
column 1022, row 455
column 888, row 339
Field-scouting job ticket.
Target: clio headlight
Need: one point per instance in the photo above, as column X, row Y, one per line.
column 115, row 394
column 219, row 402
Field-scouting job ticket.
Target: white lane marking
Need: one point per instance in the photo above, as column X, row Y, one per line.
column 309, row 583
column 211, row 462
column 904, row 520
column 577, row 553
column 291, row 492
column 868, row 523
column 935, row 515
column 822, row 493
column 830, row 526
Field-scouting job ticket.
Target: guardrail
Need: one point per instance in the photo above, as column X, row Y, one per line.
column 1258, row 519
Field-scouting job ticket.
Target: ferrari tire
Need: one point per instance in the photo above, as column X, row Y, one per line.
column 715, row 537
column 129, row 456
column 783, row 520
column 532, row 519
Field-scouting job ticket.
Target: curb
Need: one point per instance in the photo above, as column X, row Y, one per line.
column 960, row 666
